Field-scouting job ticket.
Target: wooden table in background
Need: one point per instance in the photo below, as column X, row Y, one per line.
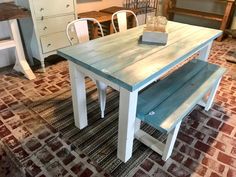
column 10, row 12
column 101, row 17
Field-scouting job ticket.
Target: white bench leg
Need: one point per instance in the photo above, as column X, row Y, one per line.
column 212, row 95
column 170, row 142
column 102, row 96
column 78, row 90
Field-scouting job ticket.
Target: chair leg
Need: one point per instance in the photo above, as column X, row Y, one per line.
column 102, row 96
column 170, row 142
column 212, row 95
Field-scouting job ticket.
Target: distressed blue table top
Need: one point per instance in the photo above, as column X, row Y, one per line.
column 122, row 59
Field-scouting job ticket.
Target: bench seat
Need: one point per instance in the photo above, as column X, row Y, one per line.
column 164, row 104
column 168, row 101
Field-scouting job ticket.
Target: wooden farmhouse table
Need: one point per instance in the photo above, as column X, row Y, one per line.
column 122, row 62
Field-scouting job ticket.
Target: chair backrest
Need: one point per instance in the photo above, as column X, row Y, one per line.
column 80, row 26
column 122, row 19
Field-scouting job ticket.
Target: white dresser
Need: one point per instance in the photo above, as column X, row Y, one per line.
column 45, row 31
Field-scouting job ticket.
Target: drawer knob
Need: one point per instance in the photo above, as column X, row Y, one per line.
column 49, row 45
column 41, row 9
column 71, row 38
column 42, row 18
column 45, row 28
column 67, row 5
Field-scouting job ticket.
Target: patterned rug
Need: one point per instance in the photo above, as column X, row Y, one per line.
column 99, row 139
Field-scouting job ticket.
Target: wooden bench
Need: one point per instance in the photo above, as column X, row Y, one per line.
column 164, row 104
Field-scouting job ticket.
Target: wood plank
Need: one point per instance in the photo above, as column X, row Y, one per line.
column 140, row 52
column 109, row 52
column 90, row 54
column 166, row 87
column 108, row 47
column 10, row 11
column 152, row 66
column 113, row 39
column 173, row 109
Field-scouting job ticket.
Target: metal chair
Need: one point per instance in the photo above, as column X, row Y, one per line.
column 80, row 27
column 122, row 19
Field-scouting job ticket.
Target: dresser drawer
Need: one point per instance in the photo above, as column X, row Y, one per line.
column 44, row 8
column 52, row 25
column 56, row 41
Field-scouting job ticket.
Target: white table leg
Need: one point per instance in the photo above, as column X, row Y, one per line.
column 78, row 90
column 21, row 64
column 204, row 52
column 127, row 115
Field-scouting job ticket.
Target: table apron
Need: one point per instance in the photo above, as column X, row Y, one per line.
column 95, row 76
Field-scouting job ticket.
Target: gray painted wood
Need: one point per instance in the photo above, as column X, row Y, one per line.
column 121, row 59
column 177, row 94
column 166, row 87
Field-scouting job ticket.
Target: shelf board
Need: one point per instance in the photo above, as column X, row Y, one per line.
column 194, row 13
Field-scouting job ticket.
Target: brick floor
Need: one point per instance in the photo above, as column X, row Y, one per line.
column 206, row 144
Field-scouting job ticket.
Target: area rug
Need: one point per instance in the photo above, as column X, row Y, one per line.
column 99, row 140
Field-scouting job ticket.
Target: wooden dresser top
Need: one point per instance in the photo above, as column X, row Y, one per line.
column 10, row 11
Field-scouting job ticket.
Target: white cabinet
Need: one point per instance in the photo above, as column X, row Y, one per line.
column 45, row 31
